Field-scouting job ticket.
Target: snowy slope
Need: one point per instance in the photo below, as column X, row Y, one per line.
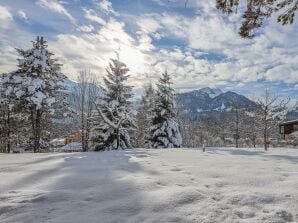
column 180, row 185
column 212, row 92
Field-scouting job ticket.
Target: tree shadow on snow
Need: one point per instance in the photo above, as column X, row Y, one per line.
column 85, row 187
column 235, row 151
column 252, row 152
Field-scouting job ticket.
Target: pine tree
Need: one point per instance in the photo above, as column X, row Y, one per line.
column 114, row 117
column 144, row 117
column 165, row 130
column 7, row 103
column 40, row 86
column 12, row 122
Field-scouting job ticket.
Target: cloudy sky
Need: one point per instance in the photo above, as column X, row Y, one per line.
column 197, row 45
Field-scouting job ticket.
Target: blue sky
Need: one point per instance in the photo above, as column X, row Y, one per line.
column 197, row 45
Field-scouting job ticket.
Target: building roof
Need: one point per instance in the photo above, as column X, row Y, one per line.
column 295, row 121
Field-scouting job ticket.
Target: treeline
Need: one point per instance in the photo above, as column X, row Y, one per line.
column 35, row 107
column 33, row 100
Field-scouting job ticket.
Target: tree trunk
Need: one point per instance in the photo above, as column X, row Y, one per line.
column 36, row 128
column 118, row 138
column 265, row 138
column 237, row 128
column 83, row 92
column 265, row 125
column 88, row 124
column 8, row 145
column 83, row 133
column 254, row 142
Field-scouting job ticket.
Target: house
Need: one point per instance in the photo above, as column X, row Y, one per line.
column 73, row 137
column 287, row 128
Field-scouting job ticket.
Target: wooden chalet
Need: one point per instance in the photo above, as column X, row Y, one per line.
column 288, row 127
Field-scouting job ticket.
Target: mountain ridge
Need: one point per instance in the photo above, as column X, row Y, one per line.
column 212, row 101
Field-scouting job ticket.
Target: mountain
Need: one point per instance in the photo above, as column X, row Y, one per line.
column 71, row 86
column 293, row 114
column 212, row 92
column 212, row 102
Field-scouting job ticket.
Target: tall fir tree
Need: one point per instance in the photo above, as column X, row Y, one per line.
column 40, row 87
column 144, row 116
column 165, row 130
column 114, row 117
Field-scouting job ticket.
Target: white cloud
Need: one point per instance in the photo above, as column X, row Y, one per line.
column 284, row 72
column 86, row 28
column 5, row 17
column 106, row 6
column 22, row 14
column 148, row 25
column 199, row 50
column 94, row 50
column 161, row 25
column 55, row 6
column 91, row 15
column 214, row 34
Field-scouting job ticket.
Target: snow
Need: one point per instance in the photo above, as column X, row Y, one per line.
column 57, row 142
column 199, row 110
column 223, row 107
column 168, row 185
column 71, row 147
column 294, row 134
column 212, row 92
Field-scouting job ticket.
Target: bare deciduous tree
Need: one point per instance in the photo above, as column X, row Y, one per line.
column 85, row 93
column 271, row 110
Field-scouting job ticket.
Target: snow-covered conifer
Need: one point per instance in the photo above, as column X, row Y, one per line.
column 114, row 117
column 144, row 117
column 13, row 123
column 165, row 130
column 40, row 86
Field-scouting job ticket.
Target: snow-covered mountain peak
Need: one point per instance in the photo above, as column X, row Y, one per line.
column 212, row 92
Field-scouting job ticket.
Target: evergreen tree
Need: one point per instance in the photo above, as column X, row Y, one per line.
column 40, row 87
column 114, row 117
column 144, row 117
column 165, row 130
column 13, row 123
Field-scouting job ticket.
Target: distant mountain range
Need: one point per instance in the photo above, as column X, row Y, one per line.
column 208, row 101
column 199, row 103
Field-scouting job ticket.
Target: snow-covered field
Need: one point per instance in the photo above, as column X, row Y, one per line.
column 174, row 185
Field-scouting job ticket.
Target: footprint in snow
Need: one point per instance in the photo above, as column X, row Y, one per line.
column 285, row 216
column 176, row 169
column 161, row 183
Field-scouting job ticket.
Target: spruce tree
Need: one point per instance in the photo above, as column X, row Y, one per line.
column 8, row 118
column 13, row 121
column 40, row 86
column 144, row 117
column 165, row 130
column 114, row 118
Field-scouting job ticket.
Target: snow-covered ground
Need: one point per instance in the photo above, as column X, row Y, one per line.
column 174, row 185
